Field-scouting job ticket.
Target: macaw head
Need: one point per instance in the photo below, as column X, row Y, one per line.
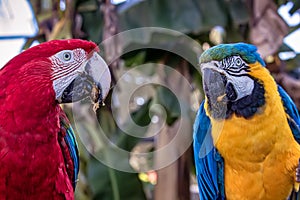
column 59, row 71
column 233, row 80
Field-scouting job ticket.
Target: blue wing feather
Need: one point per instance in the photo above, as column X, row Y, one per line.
column 294, row 122
column 209, row 163
column 73, row 149
column 292, row 112
column 69, row 147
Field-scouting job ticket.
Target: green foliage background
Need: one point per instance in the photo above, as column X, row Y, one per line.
column 85, row 19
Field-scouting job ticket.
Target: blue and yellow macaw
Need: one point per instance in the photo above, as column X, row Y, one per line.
column 246, row 132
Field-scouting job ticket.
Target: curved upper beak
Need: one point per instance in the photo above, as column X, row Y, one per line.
column 93, row 81
column 99, row 71
column 214, row 85
column 214, row 81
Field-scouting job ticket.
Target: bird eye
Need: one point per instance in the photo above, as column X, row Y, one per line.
column 67, row 56
column 238, row 61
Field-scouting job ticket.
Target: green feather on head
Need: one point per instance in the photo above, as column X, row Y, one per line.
column 248, row 53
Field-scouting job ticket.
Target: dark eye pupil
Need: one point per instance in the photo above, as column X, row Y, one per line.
column 67, row 56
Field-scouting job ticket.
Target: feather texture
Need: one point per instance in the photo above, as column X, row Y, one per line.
column 68, row 144
column 38, row 149
column 219, row 52
column 253, row 157
column 209, row 164
column 292, row 113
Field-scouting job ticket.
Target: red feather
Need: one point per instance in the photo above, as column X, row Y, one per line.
column 32, row 165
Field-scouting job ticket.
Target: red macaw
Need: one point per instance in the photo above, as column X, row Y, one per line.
column 38, row 149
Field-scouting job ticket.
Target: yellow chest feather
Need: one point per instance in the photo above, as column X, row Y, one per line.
column 260, row 153
column 260, row 157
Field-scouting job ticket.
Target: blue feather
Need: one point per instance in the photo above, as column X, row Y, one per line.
column 209, row 163
column 294, row 122
column 73, row 149
column 292, row 112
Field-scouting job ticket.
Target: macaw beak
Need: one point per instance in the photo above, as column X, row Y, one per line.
column 214, row 84
column 94, row 82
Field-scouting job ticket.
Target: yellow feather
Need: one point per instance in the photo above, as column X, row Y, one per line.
column 260, row 153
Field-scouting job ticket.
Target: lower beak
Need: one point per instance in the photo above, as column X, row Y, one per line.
column 94, row 81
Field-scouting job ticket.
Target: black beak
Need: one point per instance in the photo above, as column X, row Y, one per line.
column 81, row 87
column 214, row 84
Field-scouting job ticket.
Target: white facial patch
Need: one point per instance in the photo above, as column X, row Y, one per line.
column 59, row 85
column 243, row 85
column 66, row 65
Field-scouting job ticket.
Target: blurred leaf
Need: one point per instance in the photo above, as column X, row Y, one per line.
column 135, row 59
column 189, row 15
column 238, row 12
column 293, row 64
column 106, row 182
column 92, row 19
column 141, row 118
column 104, row 179
column 87, row 5
column 107, row 121
column 197, row 80
column 167, row 99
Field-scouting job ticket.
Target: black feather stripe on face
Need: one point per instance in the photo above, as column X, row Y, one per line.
column 249, row 105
